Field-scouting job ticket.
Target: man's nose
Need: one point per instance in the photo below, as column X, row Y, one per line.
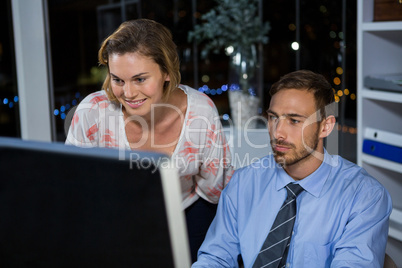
column 279, row 129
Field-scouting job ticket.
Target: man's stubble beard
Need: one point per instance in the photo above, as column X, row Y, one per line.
column 299, row 154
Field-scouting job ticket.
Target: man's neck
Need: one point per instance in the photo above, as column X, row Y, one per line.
column 307, row 166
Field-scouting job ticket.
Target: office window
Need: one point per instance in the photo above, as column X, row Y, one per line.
column 320, row 36
column 324, row 32
column 9, row 113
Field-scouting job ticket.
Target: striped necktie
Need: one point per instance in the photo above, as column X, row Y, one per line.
column 274, row 251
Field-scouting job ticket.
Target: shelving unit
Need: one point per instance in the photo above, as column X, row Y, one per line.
column 379, row 52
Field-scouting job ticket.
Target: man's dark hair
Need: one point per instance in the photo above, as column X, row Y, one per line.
column 309, row 81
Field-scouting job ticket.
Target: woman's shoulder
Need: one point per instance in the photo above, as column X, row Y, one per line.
column 198, row 99
column 97, row 100
column 96, row 97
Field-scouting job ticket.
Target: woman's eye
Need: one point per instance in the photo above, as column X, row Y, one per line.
column 117, row 80
column 140, row 80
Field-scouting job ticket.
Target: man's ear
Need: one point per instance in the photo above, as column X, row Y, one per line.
column 327, row 126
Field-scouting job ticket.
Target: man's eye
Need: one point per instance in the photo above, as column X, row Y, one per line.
column 294, row 121
column 272, row 117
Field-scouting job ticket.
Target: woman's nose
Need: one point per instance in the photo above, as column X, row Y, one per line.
column 129, row 91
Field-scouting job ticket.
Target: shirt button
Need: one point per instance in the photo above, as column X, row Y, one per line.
column 287, row 264
column 293, row 232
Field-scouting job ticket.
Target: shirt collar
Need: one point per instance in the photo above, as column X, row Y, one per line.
column 312, row 183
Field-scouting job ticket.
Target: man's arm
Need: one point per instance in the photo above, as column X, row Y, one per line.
column 365, row 236
column 221, row 245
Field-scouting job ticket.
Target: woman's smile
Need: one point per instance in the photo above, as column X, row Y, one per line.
column 135, row 103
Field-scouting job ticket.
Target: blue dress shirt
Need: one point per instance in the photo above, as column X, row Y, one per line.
column 342, row 217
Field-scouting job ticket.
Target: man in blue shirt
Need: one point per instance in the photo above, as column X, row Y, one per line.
column 343, row 213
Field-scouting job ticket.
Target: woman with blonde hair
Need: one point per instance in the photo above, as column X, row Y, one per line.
column 142, row 106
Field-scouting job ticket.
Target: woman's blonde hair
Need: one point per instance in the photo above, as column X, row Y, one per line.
column 148, row 38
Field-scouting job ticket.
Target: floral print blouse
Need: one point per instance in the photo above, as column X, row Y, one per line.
column 201, row 156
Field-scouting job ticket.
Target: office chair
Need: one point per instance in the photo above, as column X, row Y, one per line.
column 388, row 262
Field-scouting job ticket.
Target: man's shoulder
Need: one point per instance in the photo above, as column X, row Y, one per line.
column 354, row 174
column 260, row 170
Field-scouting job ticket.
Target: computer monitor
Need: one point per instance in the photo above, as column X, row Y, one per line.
column 64, row 206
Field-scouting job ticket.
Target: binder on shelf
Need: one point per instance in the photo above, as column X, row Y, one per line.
column 389, row 82
column 383, row 136
column 395, row 224
column 383, row 150
column 396, row 216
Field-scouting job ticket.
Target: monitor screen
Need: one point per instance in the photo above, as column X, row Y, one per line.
column 63, row 206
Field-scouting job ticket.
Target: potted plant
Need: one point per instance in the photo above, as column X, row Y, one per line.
column 234, row 26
